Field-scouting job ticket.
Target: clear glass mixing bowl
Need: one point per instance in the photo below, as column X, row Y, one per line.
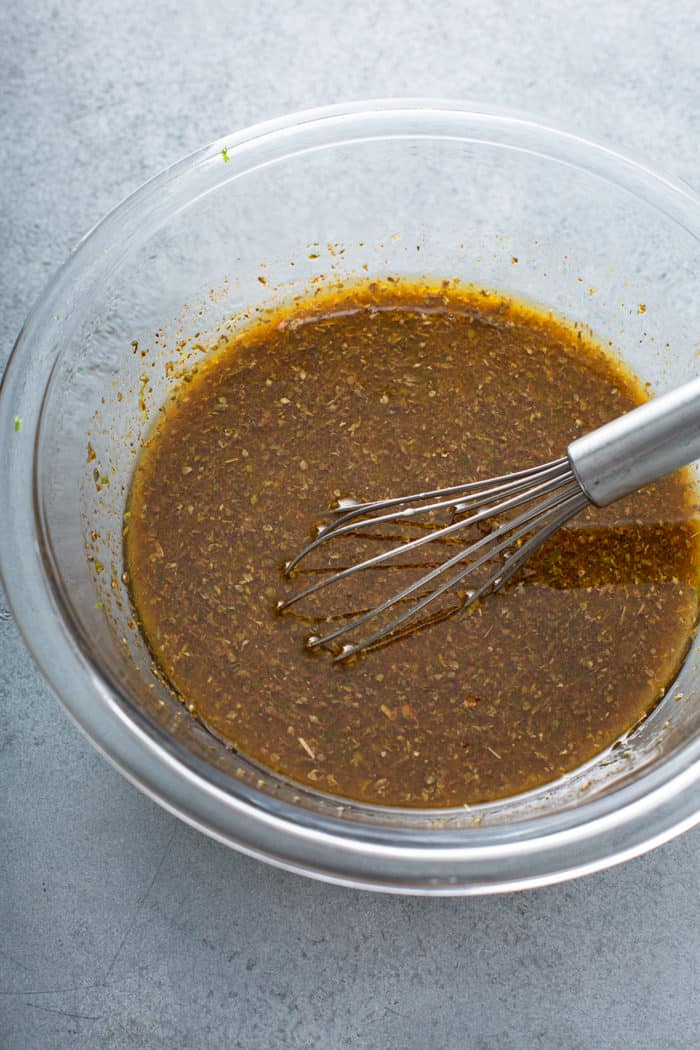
column 413, row 187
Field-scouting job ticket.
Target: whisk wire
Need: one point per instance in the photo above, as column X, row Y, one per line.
column 535, row 503
column 526, row 477
column 481, row 513
column 476, row 494
column 547, row 517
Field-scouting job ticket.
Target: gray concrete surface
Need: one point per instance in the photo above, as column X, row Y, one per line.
column 119, row 926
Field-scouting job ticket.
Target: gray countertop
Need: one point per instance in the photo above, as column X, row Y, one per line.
column 120, row 926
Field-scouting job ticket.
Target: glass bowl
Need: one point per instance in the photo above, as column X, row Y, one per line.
column 412, row 187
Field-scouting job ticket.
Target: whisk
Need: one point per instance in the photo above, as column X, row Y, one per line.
column 598, row 468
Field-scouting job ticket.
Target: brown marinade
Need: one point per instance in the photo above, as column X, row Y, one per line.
column 387, row 388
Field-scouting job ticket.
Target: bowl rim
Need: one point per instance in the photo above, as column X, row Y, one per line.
column 255, row 822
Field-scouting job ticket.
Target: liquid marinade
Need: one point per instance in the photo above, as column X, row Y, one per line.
column 380, row 389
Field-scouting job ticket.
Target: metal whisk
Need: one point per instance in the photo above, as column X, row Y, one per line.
column 601, row 467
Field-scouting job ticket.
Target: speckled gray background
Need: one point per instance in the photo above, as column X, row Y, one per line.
column 121, row 927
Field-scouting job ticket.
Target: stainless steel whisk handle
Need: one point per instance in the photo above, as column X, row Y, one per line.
column 639, row 447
